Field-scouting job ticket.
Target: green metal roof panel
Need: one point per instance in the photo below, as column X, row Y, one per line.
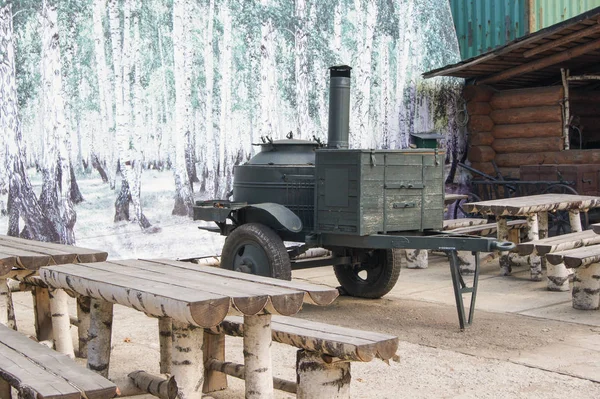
column 482, row 25
column 550, row 12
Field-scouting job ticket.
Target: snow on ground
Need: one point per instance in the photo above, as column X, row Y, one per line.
column 178, row 237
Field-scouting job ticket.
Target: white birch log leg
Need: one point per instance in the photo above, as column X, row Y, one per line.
column 466, row 262
column 575, row 221
column 165, row 339
column 42, row 314
column 187, row 360
column 159, row 386
column 4, row 301
column 502, row 232
column 543, row 225
column 416, row 259
column 317, row 379
column 61, row 324
column 257, row 357
column 214, row 349
column 533, row 234
column 83, row 324
column 100, row 336
column 558, row 277
column 586, row 287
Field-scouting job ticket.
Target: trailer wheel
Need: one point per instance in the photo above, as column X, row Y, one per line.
column 256, row 249
column 374, row 276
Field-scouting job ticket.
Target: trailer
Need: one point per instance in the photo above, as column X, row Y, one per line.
column 361, row 205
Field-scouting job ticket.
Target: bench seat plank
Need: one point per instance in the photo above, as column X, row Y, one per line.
column 452, row 224
column 578, row 257
column 49, row 373
column 340, row 342
column 559, row 243
column 488, row 228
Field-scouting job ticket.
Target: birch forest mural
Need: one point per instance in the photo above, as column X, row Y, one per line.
column 116, row 89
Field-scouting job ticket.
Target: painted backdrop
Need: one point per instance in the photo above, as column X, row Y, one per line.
column 116, row 88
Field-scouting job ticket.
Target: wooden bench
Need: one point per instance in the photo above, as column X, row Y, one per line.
column 557, row 275
column 586, row 284
column 323, row 361
column 451, row 224
column 36, row 371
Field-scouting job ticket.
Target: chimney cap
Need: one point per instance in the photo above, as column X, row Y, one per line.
column 342, row 71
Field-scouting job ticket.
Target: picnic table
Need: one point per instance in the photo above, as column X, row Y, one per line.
column 185, row 296
column 535, row 209
column 20, row 259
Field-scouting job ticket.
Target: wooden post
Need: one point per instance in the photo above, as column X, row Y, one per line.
column 42, row 314
column 566, row 111
column 416, row 259
column 257, row 357
column 5, row 297
column 586, row 287
column 83, row 324
column 543, row 225
column 100, row 336
column 214, row 349
column 61, row 324
column 187, row 361
column 533, row 234
column 5, row 389
column 502, row 232
column 165, row 338
column 575, row 220
column 318, row 379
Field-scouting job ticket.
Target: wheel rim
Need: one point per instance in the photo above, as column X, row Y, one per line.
column 369, row 270
column 251, row 258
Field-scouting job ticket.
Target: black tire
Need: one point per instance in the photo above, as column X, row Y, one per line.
column 374, row 277
column 256, row 249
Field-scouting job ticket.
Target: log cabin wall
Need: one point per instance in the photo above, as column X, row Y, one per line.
column 513, row 127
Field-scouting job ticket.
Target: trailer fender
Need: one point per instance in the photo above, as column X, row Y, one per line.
column 276, row 216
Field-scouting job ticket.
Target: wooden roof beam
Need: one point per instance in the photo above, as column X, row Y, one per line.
column 563, row 40
column 541, row 63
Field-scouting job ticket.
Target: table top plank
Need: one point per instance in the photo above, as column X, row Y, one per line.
column 76, row 378
column 315, row 294
column 154, row 298
column 522, row 206
column 58, row 256
column 27, row 259
column 247, row 297
column 84, row 255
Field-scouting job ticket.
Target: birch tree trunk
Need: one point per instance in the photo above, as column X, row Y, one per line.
column 384, row 95
column 403, row 73
column 183, row 196
column 301, row 69
column 104, row 95
column 210, row 174
column 56, row 189
column 268, row 93
column 22, row 202
column 226, row 137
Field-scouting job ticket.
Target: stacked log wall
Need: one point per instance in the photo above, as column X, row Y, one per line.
column 513, row 127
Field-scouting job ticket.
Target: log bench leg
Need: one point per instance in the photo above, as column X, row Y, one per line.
column 61, row 324
column 533, row 234
column 586, row 287
column 502, row 232
column 466, row 262
column 318, row 379
column 187, row 361
column 5, row 389
column 100, row 336
column 42, row 314
column 214, row 349
column 165, row 339
column 5, row 299
column 83, row 326
column 416, row 259
column 257, row 357
column 558, row 277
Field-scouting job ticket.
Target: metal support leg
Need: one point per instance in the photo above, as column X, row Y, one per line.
column 461, row 288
